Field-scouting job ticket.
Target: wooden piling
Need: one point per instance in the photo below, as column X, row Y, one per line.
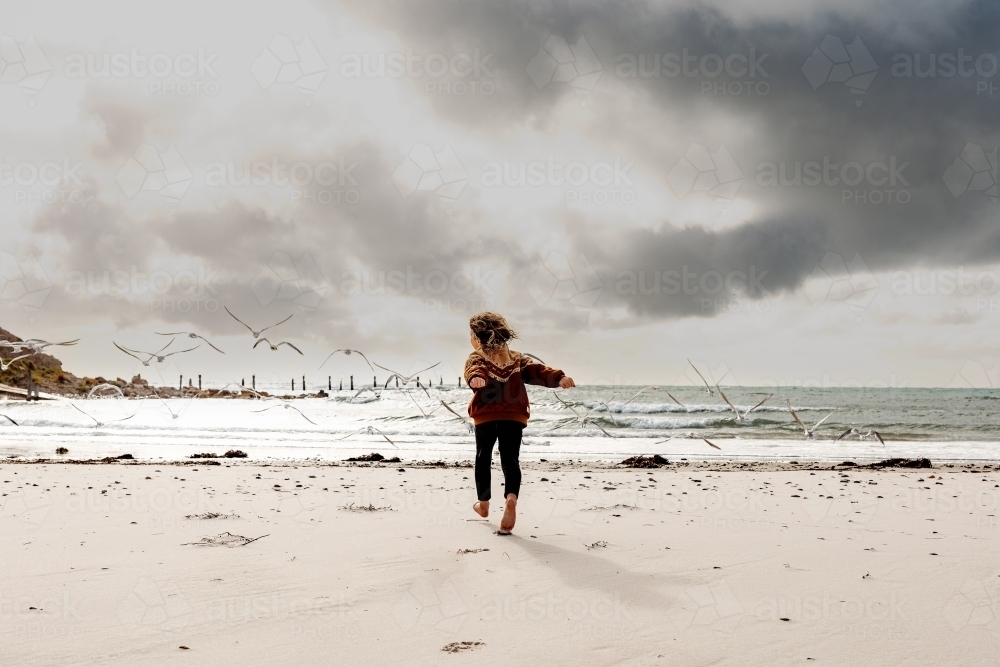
column 180, row 384
column 199, row 381
column 253, row 382
column 352, row 383
column 303, row 383
column 293, row 384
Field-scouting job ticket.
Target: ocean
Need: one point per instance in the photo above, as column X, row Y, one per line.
column 935, row 423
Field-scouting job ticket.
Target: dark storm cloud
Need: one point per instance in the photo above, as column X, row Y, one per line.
column 899, row 132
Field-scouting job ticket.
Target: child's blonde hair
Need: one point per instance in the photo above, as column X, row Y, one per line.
column 492, row 330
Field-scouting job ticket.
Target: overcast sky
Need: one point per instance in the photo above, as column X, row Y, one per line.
column 794, row 193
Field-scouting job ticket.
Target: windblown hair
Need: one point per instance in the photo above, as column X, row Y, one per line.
column 492, row 331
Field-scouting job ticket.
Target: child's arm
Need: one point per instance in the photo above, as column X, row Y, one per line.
column 544, row 376
column 475, row 374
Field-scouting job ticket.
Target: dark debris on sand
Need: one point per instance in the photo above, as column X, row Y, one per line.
column 902, row 463
column 231, row 454
column 457, row 647
column 655, row 461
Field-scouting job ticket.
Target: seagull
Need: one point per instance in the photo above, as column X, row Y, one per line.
column 256, row 334
column 468, row 422
column 37, row 344
column 288, row 406
column 690, row 435
column 370, row 430
column 419, row 407
column 99, row 423
column 742, row 419
column 863, row 436
column 189, row 335
column 583, row 419
column 274, row 348
column 5, row 365
column 810, row 432
column 675, row 400
column 102, row 387
column 241, row 389
column 607, row 407
column 405, row 379
column 363, row 390
column 708, row 387
column 153, row 355
column 527, row 354
column 9, row 419
column 348, row 352
column 173, row 415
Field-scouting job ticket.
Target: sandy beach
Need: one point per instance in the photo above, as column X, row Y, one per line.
column 689, row 564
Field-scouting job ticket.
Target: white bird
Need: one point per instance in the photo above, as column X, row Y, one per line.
column 466, row 420
column 363, row 390
column 274, row 348
column 872, row 433
column 708, row 387
column 9, row 419
column 348, row 352
column 240, row 389
column 741, row 419
column 583, row 419
column 5, row 365
column 37, row 344
column 690, row 435
column 527, row 354
column 810, row 432
column 100, row 423
column 102, row 387
column 419, row 407
column 287, row 406
column 370, row 430
column 189, row 335
column 404, row 379
column 158, row 355
column 256, row 334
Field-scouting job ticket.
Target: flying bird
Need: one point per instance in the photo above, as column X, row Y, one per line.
column 690, row 435
column 37, row 344
column 348, row 352
column 466, row 420
column 288, row 406
column 256, row 334
column 153, row 355
column 4, row 365
column 872, row 433
column 190, row 335
column 583, row 419
column 742, row 419
column 100, row 423
column 708, row 387
column 274, row 347
column 370, row 430
column 404, row 379
column 810, row 432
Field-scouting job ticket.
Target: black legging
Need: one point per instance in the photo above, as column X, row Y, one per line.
column 509, row 434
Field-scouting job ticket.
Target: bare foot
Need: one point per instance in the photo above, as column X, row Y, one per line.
column 482, row 508
column 509, row 514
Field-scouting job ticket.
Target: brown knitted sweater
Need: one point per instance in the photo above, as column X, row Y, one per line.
column 505, row 396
